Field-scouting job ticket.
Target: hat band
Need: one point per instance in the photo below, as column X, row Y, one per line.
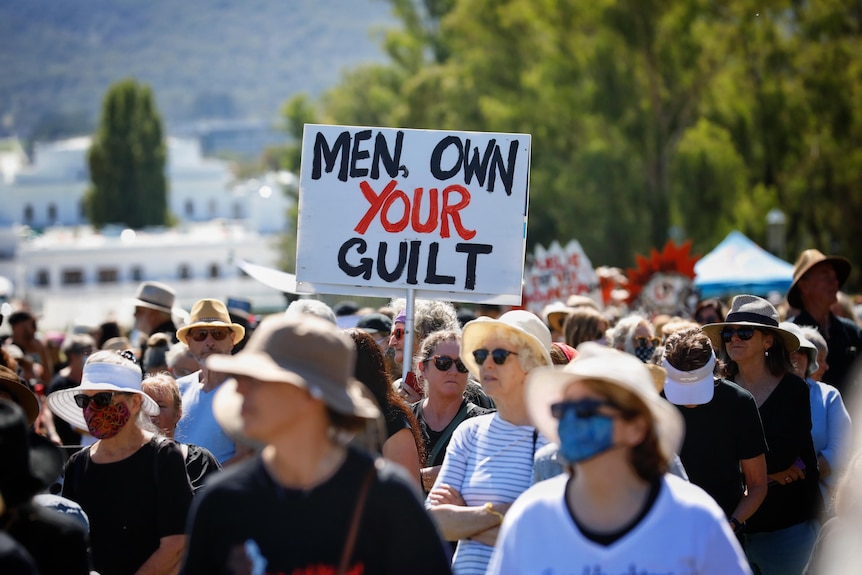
column 693, row 376
column 210, row 320
column 737, row 316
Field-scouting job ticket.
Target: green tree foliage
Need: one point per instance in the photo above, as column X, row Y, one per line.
column 127, row 161
column 645, row 115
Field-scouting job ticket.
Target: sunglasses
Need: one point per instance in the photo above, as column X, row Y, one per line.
column 644, row 341
column 583, row 409
column 744, row 333
column 498, row 355
column 444, row 363
column 398, row 334
column 201, row 334
column 102, row 400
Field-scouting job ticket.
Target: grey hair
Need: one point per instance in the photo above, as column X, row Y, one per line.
column 176, row 351
column 429, row 316
column 813, row 335
column 311, row 307
column 622, row 333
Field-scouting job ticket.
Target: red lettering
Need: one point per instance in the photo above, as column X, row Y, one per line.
column 401, row 224
column 431, row 223
column 375, row 201
column 452, row 212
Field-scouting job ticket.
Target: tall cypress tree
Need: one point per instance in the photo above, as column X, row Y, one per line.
column 127, row 161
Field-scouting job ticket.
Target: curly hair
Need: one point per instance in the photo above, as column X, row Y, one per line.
column 371, row 370
column 429, row 316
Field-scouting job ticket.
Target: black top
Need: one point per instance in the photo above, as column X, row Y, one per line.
column 131, row 503
column 200, row 464
column 14, row 559
column 244, row 520
column 718, row 435
column 57, row 543
column 433, row 438
column 786, row 417
column 845, row 345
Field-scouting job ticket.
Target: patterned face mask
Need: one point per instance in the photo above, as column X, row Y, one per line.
column 645, row 353
column 106, row 422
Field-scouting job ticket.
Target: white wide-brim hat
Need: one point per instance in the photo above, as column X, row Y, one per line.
column 532, row 330
column 100, row 376
column 547, row 385
column 804, row 344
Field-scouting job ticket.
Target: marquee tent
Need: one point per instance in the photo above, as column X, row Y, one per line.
column 738, row 265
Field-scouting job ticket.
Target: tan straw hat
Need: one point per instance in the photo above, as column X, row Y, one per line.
column 304, row 351
column 807, row 260
column 756, row 312
column 524, row 324
column 210, row 313
column 21, row 394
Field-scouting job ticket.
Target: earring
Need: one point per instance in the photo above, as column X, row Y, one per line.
column 766, row 353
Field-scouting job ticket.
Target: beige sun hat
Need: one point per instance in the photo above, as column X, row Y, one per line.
column 555, row 314
column 526, row 325
column 807, row 260
column 21, row 394
column 304, row 351
column 547, row 385
column 754, row 311
column 210, row 313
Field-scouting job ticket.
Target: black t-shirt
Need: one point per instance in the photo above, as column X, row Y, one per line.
column 244, row 521
column 57, row 543
column 718, row 435
column 845, row 345
column 200, row 464
column 786, row 417
column 433, row 438
column 131, row 503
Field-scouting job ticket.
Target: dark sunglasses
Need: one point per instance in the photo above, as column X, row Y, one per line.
column 444, row 363
column 498, row 355
column 201, row 334
column 102, row 400
column 744, row 333
column 398, row 334
column 583, row 409
column 644, row 341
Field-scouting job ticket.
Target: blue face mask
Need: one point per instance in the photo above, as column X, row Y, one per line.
column 582, row 438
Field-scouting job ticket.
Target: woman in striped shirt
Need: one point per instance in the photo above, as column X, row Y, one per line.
column 489, row 460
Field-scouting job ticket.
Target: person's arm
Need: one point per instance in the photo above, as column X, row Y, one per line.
column 166, row 559
column 401, row 448
column 754, row 470
column 837, row 434
column 429, row 476
column 457, row 521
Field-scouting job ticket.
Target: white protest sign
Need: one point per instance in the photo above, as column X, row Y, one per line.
column 384, row 210
column 556, row 273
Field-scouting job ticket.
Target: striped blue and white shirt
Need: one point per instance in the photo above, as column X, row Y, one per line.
column 487, row 460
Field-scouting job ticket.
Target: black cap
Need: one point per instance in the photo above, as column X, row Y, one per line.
column 374, row 323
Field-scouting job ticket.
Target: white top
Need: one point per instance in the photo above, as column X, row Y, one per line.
column 487, row 460
column 685, row 533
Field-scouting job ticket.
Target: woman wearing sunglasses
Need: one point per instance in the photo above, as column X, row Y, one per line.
column 616, row 510
column 131, row 482
column 756, row 351
column 444, row 377
column 489, row 460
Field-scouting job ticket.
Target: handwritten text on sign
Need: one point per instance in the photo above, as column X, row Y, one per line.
column 413, row 208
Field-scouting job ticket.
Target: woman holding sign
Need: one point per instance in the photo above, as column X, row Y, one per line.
column 489, row 460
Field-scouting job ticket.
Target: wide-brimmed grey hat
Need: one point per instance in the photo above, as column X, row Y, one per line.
column 156, row 295
column 596, row 362
column 754, row 311
column 807, row 260
column 304, row 351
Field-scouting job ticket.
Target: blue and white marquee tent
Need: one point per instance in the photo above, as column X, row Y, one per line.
column 738, row 265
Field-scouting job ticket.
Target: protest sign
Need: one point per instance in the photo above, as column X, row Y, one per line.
column 383, row 211
column 556, row 273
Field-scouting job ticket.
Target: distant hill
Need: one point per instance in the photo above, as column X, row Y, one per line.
column 203, row 58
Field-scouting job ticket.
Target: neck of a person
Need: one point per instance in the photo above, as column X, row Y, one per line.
column 439, row 410
column 606, row 493
column 303, row 458
column 512, row 408
column 754, row 374
column 820, row 311
column 122, row 445
column 210, row 379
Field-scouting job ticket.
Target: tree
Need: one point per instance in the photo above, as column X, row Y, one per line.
column 127, row 161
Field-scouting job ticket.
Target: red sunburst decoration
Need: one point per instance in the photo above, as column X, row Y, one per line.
column 672, row 259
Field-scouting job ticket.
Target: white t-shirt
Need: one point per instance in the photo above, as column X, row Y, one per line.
column 684, row 533
column 487, row 460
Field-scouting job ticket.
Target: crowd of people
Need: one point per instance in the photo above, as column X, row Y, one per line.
column 332, row 440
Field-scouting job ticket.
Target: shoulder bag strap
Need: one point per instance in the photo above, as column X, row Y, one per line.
column 357, row 516
column 447, row 433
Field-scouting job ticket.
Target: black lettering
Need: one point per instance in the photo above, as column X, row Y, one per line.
column 437, row 155
column 382, row 155
column 431, row 276
column 330, row 155
column 472, row 251
column 381, row 262
column 413, row 265
column 365, row 264
column 473, row 166
column 507, row 174
column 358, row 154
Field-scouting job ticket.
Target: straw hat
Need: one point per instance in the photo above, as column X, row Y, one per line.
column 100, row 376
column 22, row 395
column 210, row 313
column 524, row 324
column 547, row 385
column 807, row 260
column 754, row 311
column 555, row 315
column 304, row 351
